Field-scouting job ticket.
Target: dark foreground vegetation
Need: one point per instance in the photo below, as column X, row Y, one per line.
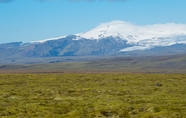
column 113, row 95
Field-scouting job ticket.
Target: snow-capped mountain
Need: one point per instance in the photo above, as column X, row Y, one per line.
column 113, row 38
column 142, row 37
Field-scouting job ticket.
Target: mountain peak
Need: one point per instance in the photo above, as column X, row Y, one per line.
column 110, row 29
column 142, row 36
column 128, row 30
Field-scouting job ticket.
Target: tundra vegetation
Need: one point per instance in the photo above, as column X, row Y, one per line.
column 92, row 95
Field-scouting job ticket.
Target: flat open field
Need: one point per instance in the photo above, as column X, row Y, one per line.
column 103, row 95
column 159, row 64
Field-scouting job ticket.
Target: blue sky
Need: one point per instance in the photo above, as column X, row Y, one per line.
column 31, row 20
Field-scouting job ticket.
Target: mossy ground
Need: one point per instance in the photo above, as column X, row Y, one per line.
column 103, row 95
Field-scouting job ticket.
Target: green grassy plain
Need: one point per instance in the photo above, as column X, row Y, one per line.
column 92, row 95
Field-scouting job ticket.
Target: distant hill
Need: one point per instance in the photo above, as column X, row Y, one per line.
column 146, row 64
